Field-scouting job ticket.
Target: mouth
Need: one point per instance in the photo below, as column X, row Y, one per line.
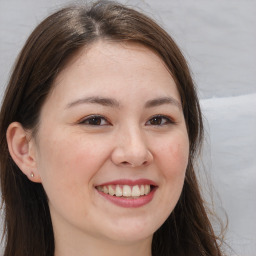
column 126, row 193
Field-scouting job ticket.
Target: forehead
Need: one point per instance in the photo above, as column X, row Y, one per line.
column 110, row 66
column 101, row 53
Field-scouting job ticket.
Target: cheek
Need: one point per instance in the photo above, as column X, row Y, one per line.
column 174, row 156
column 179, row 153
column 171, row 162
column 67, row 168
column 70, row 160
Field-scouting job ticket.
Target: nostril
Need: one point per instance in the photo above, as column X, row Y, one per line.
column 145, row 163
column 131, row 155
column 126, row 163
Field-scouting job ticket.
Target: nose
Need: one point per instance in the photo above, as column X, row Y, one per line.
column 131, row 149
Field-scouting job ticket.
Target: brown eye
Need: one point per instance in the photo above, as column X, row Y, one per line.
column 95, row 121
column 159, row 120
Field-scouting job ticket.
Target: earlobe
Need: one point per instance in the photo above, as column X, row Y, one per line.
column 21, row 150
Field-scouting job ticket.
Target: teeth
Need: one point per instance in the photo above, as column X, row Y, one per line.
column 125, row 190
column 100, row 188
column 135, row 191
column 105, row 189
column 111, row 191
column 142, row 190
column 147, row 189
column 119, row 191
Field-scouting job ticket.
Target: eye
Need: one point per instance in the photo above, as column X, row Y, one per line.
column 159, row 120
column 95, row 120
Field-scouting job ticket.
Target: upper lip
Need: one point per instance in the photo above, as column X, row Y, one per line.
column 129, row 182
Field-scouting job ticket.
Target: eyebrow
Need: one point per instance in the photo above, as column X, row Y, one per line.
column 163, row 100
column 109, row 102
column 96, row 100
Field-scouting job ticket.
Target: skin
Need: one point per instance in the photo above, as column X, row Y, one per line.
column 70, row 156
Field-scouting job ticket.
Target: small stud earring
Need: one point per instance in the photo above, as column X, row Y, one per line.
column 32, row 175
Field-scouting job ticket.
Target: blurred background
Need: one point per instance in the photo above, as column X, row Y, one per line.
column 218, row 38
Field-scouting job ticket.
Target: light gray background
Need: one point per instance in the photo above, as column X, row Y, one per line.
column 218, row 38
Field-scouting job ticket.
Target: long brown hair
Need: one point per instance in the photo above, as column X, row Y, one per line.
column 27, row 226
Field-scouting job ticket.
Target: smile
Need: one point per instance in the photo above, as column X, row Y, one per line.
column 127, row 193
column 125, row 190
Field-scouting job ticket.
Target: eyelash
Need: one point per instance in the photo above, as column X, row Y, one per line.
column 96, row 120
column 156, row 118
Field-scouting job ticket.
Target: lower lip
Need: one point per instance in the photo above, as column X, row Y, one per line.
column 129, row 202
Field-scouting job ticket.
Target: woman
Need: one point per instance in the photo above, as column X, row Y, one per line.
column 100, row 126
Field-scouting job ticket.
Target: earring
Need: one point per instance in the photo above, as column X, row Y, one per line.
column 32, row 175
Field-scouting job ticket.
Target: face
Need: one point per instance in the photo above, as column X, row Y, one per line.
column 112, row 145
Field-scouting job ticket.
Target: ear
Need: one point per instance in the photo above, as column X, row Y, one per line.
column 22, row 149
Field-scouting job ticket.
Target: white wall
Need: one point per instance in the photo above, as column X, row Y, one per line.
column 218, row 38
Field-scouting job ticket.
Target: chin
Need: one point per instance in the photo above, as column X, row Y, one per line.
column 131, row 237
column 133, row 232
